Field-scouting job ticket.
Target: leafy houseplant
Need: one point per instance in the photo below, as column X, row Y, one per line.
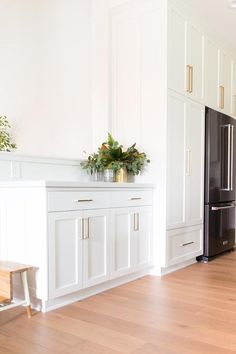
column 6, row 143
column 111, row 156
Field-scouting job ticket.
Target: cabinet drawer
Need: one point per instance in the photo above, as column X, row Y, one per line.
column 184, row 244
column 131, row 198
column 77, row 200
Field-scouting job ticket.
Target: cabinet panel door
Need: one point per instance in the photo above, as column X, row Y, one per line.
column 211, row 74
column 141, row 237
column 224, row 103
column 96, row 247
column 65, row 253
column 195, row 178
column 121, row 241
column 176, row 51
column 233, row 89
column 176, row 160
column 195, row 59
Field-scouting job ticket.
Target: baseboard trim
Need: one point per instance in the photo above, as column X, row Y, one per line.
column 174, row 268
column 53, row 304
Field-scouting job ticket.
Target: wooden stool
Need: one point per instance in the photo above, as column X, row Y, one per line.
column 7, row 269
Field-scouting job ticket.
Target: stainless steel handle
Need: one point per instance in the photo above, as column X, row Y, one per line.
column 187, row 244
column 83, row 200
column 138, row 198
column 222, row 208
column 229, row 157
column 232, row 158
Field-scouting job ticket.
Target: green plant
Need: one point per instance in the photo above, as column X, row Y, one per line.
column 111, row 156
column 6, row 143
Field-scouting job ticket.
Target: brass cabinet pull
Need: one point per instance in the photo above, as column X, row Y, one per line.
column 88, row 224
column 82, row 229
column 136, row 221
column 85, row 235
column 222, row 97
column 235, row 105
column 189, row 79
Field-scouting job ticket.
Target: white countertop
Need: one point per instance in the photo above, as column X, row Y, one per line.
column 71, row 184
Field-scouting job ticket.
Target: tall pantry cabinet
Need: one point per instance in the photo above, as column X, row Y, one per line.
column 164, row 70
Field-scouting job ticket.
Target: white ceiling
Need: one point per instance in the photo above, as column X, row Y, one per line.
column 219, row 17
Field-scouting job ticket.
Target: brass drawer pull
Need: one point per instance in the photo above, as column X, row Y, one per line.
column 189, row 79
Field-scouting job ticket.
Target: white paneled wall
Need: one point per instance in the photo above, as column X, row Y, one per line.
column 20, row 167
column 45, row 70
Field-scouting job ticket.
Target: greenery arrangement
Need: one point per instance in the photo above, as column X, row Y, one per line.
column 6, row 143
column 111, row 156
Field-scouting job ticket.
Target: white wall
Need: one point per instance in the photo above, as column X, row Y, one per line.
column 45, row 71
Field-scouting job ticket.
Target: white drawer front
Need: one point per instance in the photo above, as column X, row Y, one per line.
column 131, row 198
column 77, row 200
column 184, row 244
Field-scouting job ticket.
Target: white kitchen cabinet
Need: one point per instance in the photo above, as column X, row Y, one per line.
column 131, row 240
column 194, row 63
column 185, row 162
column 96, row 224
column 73, row 235
column 176, row 160
column 224, row 83
column 185, row 56
column 211, row 74
column 141, row 238
column 65, row 253
column 176, row 51
column 195, row 137
column 184, row 244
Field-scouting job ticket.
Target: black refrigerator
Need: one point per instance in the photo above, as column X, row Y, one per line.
column 219, row 198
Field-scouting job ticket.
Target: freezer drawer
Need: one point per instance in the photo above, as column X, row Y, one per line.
column 219, row 228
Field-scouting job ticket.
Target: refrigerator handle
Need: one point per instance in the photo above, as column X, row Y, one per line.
column 224, row 207
column 232, row 158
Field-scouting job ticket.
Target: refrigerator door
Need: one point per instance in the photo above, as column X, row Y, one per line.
column 219, row 228
column 219, row 157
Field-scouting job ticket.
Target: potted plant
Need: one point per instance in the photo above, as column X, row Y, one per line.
column 6, row 143
column 115, row 163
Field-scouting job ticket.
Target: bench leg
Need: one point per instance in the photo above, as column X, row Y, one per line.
column 26, row 293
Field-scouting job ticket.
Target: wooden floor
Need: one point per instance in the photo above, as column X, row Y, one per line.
column 189, row 311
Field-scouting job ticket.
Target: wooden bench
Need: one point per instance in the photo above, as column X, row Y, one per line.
column 7, row 269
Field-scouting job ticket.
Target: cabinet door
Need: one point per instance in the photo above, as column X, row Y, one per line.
column 65, row 253
column 96, row 227
column 141, row 238
column 211, row 74
column 176, row 51
column 233, row 89
column 122, row 226
column 194, row 63
column 195, row 163
column 224, row 91
column 176, row 160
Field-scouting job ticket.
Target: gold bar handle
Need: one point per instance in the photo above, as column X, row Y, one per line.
column 222, row 97
column 191, row 79
column 188, row 73
column 235, row 105
column 189, row 87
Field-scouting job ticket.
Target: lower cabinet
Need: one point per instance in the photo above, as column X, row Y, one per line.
column 96, row 225
column 78, row 250
column 89, row 247
column 65, row 253
column 131, row 238
column 184, row 244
